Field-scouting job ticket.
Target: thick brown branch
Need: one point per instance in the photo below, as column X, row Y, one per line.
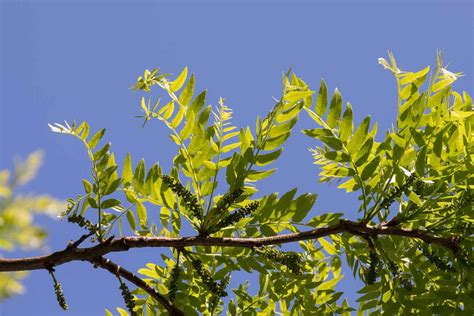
column 126, row 274
column 123, row 244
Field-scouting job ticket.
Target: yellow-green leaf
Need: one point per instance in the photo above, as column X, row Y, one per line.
column 142, row 214
column 345, row 130
column 335, row 109
column 178, row 82
column 359, row 136
column 322, row 99
column 188, row 91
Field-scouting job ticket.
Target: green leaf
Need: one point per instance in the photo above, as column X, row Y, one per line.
column 178, row 118
column 332, row 142
column 400, row 141
column 438, row 144
column 417, row 137
column 142, row 215
column 303, row 205
column 289, row 114
column 112, row 186
column 412, row 196
column 189, row 125
column 188, row 91
column 229, row 147
column 345, row 130
column 139, row 175
column 318, row 132
column 297, row 95
column 131, row 220
column 273, row 143
column 420, row 162
column 122, row 312
column 109, row 203
column 364, row 152
column 101, row 153
column 92, row 202
column 127, row 173
column 266, row 159
column 87, row 186
column 417, row 77
column 199, row 102
column 96, row 138
column 259, row 175
column 325, row 219
column 178, row 82
column 167, row 110
column 359, row 136
column 369, row 169
column 322, row 99
column 335, row 109
column 328, row 247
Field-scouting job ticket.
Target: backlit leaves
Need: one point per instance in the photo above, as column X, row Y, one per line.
column 417, row 175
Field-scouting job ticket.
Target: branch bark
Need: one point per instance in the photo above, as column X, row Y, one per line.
column 125, row 243
column 114, row 268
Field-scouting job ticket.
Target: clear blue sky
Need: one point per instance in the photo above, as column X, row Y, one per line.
column 77, row 61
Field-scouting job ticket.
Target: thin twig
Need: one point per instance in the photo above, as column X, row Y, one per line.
column 115, row 269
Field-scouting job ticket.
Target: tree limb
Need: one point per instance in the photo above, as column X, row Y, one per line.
column 125, row 243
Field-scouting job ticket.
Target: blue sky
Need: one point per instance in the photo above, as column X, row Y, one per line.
column 78, row 60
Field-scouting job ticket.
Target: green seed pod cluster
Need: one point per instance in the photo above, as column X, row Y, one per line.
column 128, row 298
column 374, row 262
column 236, row 216
column 189, row 199
column 60, row 296
column 214, row 300
column 206, row 277
column 174, row 277
column 395, row 270
column 58, row 291
column 397, row 192
column 82, row 222
column 228, row 199
column 436, row 260
column 291, row 260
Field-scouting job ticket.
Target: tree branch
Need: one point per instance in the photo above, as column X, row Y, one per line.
column 125, row 243
column 113, row 268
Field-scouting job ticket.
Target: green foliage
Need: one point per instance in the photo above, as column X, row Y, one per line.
column 418, row 177
column 16, row 217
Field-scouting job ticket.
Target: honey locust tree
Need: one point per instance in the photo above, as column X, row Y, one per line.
column 411, row 245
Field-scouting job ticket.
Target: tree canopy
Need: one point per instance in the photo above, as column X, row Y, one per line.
column 411, row 245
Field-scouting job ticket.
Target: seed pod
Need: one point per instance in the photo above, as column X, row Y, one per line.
column 190, row 200
column 373, row 267
column 58, row 291
column 236, row 216
column 404, row 281
column 397, row 192
column 174, row 277
column 207, row 279
column 439, row 263
column 228, row 199
column 127, row 297
column 82, row 222
column 291, row 260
